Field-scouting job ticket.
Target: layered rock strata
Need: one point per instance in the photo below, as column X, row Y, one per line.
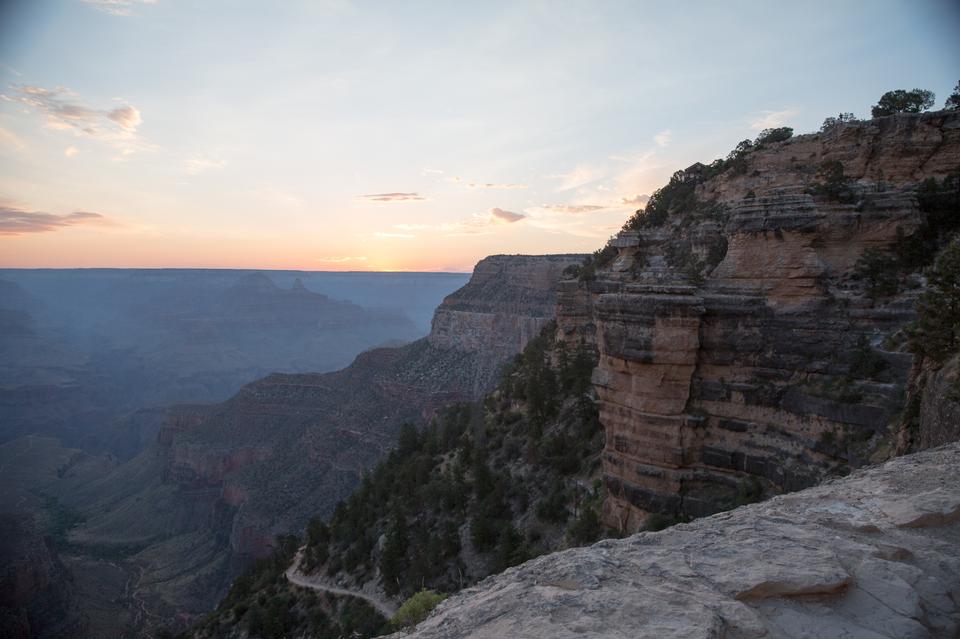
column 740, row 354
column 876, row 554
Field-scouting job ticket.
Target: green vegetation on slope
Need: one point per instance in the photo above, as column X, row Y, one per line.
column 936, row 333
column 478, row 489
column 884, row 271
column 262, row 603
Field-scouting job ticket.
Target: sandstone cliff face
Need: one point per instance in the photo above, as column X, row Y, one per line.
column 876, row 555
column 739, row 354
column 509, row 296
column 224, row 480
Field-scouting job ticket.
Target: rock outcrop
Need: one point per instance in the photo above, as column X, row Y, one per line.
column 509, row 296
column 222, row 481
column 741, row 352
column 876, row 554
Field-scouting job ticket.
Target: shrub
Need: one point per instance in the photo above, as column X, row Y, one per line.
column 416, row 609
column 769, row 136
column 659, row 521
column 600, row 258
column 586, row 528
column 902, row 101
column 840, row 119
column 833, row 184
column 936, row 333
column 953, row 102
column 676, row 196
column 866, row 363
column 879, row 270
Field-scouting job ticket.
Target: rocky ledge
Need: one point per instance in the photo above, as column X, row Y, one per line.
column 876, row 554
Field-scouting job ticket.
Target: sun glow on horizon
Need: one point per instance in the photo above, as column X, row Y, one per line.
column 344, row 137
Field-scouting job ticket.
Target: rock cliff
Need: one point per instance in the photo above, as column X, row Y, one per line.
column 746, row 347
column 876, row 554
column 222, row 481
column 37, row 594
column 509, row 296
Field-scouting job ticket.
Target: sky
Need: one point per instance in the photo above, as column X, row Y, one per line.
column 419, row 136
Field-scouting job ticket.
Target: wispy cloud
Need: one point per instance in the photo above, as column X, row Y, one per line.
column 662, row 139
column 342, row 259
column 117, row 7
column 64, row 111
column 572, row 208
column 493, row 185
column 71, row 151
column 636, row 200
column 17, row 221
column 772, row 119
column 580, row 175
column 404, row 236
column 391, row 197
column 482, row 223
column 127, row 117
column 498, row 215
column 426, row 171
column 412, row 227
column 197, row 164
column 9, row 140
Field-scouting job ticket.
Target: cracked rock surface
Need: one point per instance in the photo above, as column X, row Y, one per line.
column 876, row 554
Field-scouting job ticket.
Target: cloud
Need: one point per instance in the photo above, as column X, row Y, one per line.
column 404, row 236
column 71, row 151
column 391, row 197
column 341, row 260
column 412, row 227
column 127, row 117
column 572, row 208
column 64, row 111
column 663, row 138
column 506, row 217
column 772, row 119
column 426, row 172
column 580, row 175
column 9, row 140
column 117, row 7
column 197, row 164
column 16, row 221
column 636, row 200
column 491, row 185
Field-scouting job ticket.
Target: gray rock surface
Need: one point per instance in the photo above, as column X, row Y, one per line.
column 876, row 554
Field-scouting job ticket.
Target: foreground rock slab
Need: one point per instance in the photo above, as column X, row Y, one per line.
column 876, row 554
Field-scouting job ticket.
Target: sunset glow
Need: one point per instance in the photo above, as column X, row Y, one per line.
column 356, row 136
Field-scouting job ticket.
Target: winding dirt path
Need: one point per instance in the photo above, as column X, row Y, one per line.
column 315, row 582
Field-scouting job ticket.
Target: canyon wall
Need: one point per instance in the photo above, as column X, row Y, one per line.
column 509, row 298
column 741, row 352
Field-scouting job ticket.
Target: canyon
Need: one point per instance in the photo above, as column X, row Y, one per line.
column 84, row 351
column 221, row 481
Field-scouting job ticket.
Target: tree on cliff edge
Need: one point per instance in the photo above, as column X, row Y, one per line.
column 902, row 101
column 953, row 102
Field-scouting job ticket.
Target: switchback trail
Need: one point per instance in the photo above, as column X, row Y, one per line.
column 294, row 576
